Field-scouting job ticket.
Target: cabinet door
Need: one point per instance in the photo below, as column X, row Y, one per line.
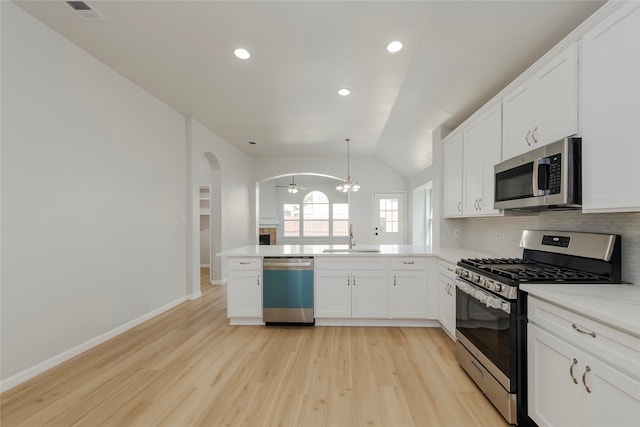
column 555, row 99
column 491, row 123
column 472, row 168
column 369, row 296
column 517, row 118
column 244, row 293
column 332, row 290
column 554, row 388
column 409, row 294
column 613, row 399
column 610, row 108
column 447, row 305
column 453, row 176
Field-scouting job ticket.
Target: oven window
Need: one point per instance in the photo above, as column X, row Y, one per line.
column 516, row 183
column 488, row 329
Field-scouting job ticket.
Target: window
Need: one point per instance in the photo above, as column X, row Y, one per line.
column 340, row 219
column 429, row 213
column 291, row 220
column 317, row 218
column 389, row 215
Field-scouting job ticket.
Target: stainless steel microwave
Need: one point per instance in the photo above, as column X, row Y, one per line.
column 548, row 177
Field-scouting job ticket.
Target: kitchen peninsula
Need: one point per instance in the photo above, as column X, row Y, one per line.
column 368, row 285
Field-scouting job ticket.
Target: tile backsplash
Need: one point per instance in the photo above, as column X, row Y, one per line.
column 500, row 236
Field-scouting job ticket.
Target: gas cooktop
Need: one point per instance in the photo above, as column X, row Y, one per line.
column 521, row 270
column 550, row 257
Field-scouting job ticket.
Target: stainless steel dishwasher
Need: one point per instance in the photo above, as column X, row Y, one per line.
column 287, row 290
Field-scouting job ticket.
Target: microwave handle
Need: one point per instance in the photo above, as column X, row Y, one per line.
column 539, row 164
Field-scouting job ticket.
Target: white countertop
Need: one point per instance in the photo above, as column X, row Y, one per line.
column 616, row 305
column 317, row 250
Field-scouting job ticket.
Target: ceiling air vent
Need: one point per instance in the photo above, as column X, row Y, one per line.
column 85, row 10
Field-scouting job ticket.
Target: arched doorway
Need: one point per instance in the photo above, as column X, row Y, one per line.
column 210, row 224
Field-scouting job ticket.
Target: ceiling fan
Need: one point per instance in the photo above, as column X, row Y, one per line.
column 293, row 187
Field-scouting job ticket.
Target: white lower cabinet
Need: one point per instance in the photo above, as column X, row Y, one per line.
column 244, row 288
column 579, row 378
column 409, row 288
column 351, row 287
column 447, row 298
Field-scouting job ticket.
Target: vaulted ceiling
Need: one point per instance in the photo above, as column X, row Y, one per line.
column 456, row 56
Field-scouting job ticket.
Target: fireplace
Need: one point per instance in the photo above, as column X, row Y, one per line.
column 267, row 236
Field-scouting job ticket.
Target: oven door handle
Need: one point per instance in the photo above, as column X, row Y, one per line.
column 484, row 297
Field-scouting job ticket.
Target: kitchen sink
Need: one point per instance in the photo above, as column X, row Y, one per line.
column 345, row 251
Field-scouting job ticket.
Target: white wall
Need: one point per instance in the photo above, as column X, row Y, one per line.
column 372, row 175
column 93, row 199
column 237, row 206
column 279, row 196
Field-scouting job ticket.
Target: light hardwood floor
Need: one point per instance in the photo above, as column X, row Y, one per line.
column 189, row 367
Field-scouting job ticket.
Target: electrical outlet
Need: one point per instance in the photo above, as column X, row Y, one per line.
column 447, row 232
column 501, row 237
column 456, row 232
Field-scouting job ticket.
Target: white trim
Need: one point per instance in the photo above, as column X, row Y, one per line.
column 405, row 323
column 233, row 321
column 218, row 282
column 39, row 368
column 204, row 266
column 195, row 295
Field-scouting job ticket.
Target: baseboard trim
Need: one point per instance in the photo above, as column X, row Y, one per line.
column 405, row 323
column 218, row 282
column 39, row 368
column 194, row 295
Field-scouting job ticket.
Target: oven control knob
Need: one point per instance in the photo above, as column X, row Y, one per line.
column 488, row 284
column 475, row 278
column 459, row 271
column 497, row 287
column 465, row 274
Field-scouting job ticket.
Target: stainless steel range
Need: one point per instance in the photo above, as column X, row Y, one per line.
column 491, row 313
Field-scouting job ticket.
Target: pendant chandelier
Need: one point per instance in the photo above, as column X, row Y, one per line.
column 349, row 184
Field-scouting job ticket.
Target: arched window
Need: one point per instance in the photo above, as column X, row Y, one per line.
column 317, row 218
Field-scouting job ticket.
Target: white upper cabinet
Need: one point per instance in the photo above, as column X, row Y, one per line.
column 544, row 108
column 453, row 176
column 610, row 113
column 482, row 150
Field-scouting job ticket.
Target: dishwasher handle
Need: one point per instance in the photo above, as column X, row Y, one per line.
column 288, row 264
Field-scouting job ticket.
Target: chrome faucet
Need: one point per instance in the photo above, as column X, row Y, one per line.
column 352, row 240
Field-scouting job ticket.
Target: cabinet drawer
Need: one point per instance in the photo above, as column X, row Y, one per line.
column 408, row 263
column 446, row 269
column 244, row 263
column 618, row 348
column 351, row 263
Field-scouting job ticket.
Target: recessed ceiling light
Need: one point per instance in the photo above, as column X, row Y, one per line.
column 344, row 91
column 242, row 53
column 394, row 46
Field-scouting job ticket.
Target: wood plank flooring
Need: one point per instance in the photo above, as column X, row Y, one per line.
column 188, row 367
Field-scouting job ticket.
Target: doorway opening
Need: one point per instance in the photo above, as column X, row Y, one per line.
column 210, row 220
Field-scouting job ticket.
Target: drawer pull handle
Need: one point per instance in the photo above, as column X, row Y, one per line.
column 407, row 262
column 244, row 263
column 478, row 370
column 582, row 331
column 584, row 381
column 574, row 363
